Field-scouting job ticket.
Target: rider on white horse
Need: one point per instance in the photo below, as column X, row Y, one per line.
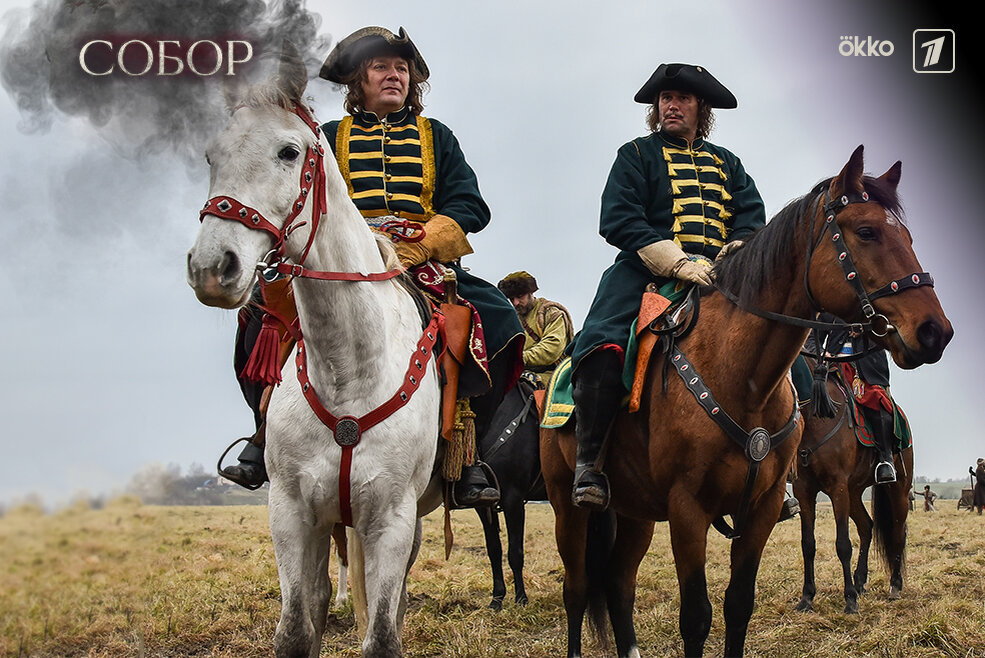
column 400, row 166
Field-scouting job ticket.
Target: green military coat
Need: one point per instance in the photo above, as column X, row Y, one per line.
column 662, row 188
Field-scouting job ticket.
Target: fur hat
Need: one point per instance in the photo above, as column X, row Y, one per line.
column 690, row 78
column 517, row 284
column 367, row 42
column 980, row 461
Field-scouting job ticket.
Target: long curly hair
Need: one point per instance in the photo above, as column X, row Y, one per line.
column 355, row 98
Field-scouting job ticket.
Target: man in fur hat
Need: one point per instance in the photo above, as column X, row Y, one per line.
column 547, row 325
column 400, row 165
column 672, row 204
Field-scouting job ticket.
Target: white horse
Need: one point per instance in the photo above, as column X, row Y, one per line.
column 359, row 339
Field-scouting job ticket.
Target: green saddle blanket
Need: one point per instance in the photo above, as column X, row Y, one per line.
column 559, row 403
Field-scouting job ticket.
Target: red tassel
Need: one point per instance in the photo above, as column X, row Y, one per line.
column 263, row 366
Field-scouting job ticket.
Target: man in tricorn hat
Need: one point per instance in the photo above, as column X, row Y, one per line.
column 547, row 325
column 399, row 165
column 673, row 203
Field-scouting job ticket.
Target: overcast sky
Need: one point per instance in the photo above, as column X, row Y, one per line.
column 110, row 363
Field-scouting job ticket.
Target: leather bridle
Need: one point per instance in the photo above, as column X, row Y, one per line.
column 346, row 429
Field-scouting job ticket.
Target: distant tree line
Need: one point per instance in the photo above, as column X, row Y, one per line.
column 157, row 484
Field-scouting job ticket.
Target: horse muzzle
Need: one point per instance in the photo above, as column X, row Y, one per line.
column 220, row 279
column 931, row 337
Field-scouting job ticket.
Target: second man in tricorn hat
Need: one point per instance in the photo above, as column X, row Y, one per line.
column 673, row 202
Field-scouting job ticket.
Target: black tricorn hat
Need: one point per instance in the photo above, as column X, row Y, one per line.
column 349, row 53
column 686, row 77
column 517, row 284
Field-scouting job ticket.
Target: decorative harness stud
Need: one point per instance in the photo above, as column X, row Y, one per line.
column 347, row 429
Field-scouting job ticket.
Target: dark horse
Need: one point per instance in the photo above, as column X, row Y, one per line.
column 671, row 462
column 833, row 461
column 511, row 449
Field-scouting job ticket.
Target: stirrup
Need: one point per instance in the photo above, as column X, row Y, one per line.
column 790, row 509
column 889, row 479
column 591, row 490
column 240, row 482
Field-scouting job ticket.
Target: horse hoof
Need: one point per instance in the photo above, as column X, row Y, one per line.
column 496, row 604
column 895, row 594
column 851, row 608
column 804, row 606
column 521, row 599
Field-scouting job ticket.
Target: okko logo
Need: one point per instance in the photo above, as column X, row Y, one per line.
column 933, row 51
column 852, row 46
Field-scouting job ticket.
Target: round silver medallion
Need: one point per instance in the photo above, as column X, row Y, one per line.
column 347, row 431
column 759, row 444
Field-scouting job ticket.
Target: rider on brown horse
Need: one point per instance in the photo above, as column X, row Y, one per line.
column 673, row 203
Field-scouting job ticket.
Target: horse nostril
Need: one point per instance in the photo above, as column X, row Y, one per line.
column 931, row 336
column 229, row 268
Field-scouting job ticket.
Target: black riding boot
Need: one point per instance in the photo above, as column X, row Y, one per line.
column 473, row 488
column 884, row 436
column 250, row 472
column 598, row 393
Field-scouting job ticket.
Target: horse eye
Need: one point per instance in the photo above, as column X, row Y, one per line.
column 866, row 233
column 289, row 154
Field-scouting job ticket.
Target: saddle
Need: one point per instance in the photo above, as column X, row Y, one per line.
column 276, row 342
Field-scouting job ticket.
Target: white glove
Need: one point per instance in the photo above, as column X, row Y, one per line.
column 734, row 245
column 665, row 258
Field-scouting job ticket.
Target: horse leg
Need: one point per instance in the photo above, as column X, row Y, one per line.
column 890, row 509
column 515, row 521
column 494, row 549
column 301, row 549
column 843, row 546
column 357, row 580
column 689, row 541
column 807, row 495
column 387, row 549
column 632, row 541
column 863, row 524
column 341, row 551
column 747, row 551
column 571, row 532
column 414, row 551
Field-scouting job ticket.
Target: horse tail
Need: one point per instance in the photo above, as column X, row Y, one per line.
column 598, row 548
column 883, row 525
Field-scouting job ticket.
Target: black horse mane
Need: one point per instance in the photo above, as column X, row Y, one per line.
column 751, row 269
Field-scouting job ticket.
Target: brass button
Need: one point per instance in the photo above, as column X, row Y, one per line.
column 389, row 195
column 387, row 176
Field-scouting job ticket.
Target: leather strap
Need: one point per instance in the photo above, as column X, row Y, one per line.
column 348, row 430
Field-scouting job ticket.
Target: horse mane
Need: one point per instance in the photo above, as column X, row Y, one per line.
column 751, row 269
column 268, row 93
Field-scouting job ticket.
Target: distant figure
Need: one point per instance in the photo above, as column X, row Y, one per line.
column 547, row 325
column 912, row 498
column 928, row 499
column 979, row 473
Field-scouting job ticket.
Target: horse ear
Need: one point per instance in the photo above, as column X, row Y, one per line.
column 233, row 91
column 292, row 75
column 850, row 178
column 892, row 176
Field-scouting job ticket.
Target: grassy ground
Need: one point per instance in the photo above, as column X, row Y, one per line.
column 134, row 580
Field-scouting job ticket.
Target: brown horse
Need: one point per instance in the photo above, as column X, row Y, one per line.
column 832, row 460
column 671, row 462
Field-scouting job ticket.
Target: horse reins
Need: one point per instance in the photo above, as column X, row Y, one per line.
column 346, row 429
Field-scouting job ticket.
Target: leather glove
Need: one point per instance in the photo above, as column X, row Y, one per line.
column 734, row 245
column 665, row 258
column 444, row 241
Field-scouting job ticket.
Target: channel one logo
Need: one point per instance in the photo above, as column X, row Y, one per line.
column 933, row 51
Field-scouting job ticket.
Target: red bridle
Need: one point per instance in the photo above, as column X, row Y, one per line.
column 346, row 429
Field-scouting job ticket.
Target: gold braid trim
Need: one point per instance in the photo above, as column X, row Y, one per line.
column 427, row 164
column 342, row 150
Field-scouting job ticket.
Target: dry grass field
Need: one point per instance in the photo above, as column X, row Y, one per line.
column 135, row 580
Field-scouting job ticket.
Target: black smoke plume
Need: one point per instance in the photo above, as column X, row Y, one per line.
column 40, row 68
